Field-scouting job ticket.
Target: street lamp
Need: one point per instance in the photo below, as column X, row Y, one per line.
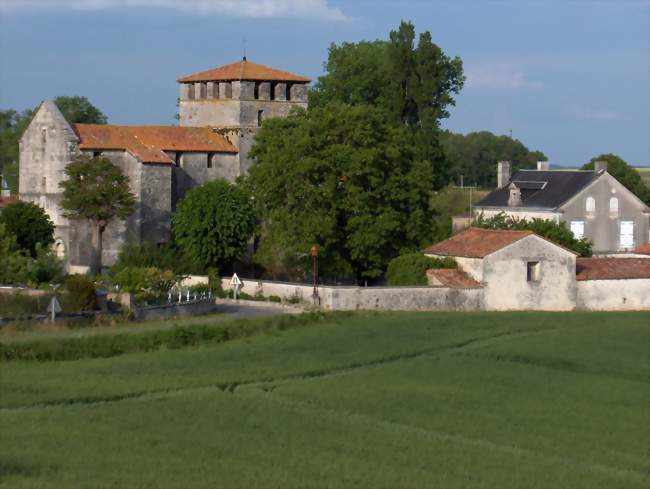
column 314, row 257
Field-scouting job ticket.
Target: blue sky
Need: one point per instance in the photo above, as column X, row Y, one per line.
column 571, row 78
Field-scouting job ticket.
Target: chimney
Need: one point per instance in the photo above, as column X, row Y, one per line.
column 543, row 166
column 514, row 199
column 600, row 166
column 503, row 173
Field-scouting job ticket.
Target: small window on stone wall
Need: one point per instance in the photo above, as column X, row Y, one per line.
column 288, row 91
column 613, row 205
column 256, row 91
column 532, row 271
column 209, row 163
column 178, row 161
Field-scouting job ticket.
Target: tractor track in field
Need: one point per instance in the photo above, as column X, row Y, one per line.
column 271, row 383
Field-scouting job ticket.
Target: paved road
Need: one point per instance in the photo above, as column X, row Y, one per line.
column 248, row 310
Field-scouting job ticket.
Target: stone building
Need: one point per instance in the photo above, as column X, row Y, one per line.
column 236, row 98
column 220, row 113
column 593, row 204
column 517, row 269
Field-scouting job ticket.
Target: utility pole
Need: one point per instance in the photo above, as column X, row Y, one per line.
column 314, row 267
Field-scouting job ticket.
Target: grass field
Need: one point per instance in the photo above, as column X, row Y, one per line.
column 394, row 400
column 645, row 174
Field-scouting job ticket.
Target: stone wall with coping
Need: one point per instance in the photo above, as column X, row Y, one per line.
column 339, row 298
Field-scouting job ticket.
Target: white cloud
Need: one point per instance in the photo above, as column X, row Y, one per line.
column 592, row 114
column 499, row 76
column 317, row 9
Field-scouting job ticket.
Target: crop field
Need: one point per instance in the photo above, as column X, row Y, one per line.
column 391, row 400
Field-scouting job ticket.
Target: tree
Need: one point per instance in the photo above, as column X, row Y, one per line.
column 412, row 86
column 13, row 265
column 214, row 223
column 475, row 155
column 624, row 173
column 79, row 110
column 343, row 178
column 556, row 232
column 97, row 191
column 30, row 224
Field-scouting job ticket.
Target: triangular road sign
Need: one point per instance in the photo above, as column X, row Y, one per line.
column 54, row 306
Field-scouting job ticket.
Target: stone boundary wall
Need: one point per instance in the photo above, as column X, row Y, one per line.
column 614, row 295
column 342, row 298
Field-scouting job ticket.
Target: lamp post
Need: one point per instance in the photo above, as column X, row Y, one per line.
column 314, row 257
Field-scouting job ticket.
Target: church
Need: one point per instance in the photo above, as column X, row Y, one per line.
column 220, row 112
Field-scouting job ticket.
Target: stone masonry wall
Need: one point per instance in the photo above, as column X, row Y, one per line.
column 614, row 295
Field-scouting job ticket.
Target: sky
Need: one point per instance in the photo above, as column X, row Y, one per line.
column 569, row 78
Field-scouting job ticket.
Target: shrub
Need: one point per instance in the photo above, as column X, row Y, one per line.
column 30, row 224
column 144, row 281
column 46, row 267
column 82, row 292
column 556, row 232
column 275, row 298
column 411, row 269
column 165, row 256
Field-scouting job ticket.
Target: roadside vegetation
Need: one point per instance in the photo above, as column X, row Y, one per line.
column 480, row 400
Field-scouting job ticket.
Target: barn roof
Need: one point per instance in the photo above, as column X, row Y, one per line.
column 612, row 268
column 244, row 70
column 149, row 143
column 476, row 242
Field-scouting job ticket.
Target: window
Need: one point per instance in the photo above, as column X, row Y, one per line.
column 627, row 235
column 178, row 160
column 532, row 271
column 288, row 91
column 204, row 90
column 256, row 91
column 260, row 115
column 210, row 156
column 190, row 91
column 97, row 154
column 43, row 136
column 613, row 205
column 273, row 85
column 578, row 229
column 590, row 205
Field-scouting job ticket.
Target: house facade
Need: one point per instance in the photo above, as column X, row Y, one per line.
column 220, row 113
column 593, row 204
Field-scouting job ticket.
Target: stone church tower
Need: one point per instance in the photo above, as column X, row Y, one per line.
column 236, row 98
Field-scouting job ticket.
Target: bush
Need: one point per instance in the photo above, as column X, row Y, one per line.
column 30, row 224
column 275, row 298
column 165, row 256
column 82, row 292
column 144, row 283
column 558, row 233
column 411, row 269
column 46, row 268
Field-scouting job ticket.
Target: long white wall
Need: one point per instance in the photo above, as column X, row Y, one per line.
column 614, row 295
column 370, row 298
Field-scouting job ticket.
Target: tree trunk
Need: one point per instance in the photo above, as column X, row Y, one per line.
column 96, row 249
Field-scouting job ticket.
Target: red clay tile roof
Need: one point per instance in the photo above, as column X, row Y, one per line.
column 612, row 268
column 476, row 242
column 455, row 279
column 244, row 70
column 148, row 143
column 5, row 201
column 643, row 249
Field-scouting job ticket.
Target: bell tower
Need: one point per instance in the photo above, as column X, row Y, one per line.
column 235, row 100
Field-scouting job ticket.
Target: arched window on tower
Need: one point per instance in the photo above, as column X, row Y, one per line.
column 590, row 205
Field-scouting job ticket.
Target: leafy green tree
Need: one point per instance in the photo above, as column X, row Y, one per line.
column 624, row 173
column 342, row 178
column 556, row 232
column 79, row 110
column 412, row 86
column 411, row 269
column 97, row 191
column 214, row 223
column 14, row 264
column 475, row 156
column 30, row 224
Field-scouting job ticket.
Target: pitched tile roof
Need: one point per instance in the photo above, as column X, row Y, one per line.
column 244, row 70
column 476, row 242
column 149, row 143
column 5, row 201
column 643, row 249
column 452, row 278
column 612, row 268
column 560, row 186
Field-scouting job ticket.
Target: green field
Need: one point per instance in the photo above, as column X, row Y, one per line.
column 394, row 400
